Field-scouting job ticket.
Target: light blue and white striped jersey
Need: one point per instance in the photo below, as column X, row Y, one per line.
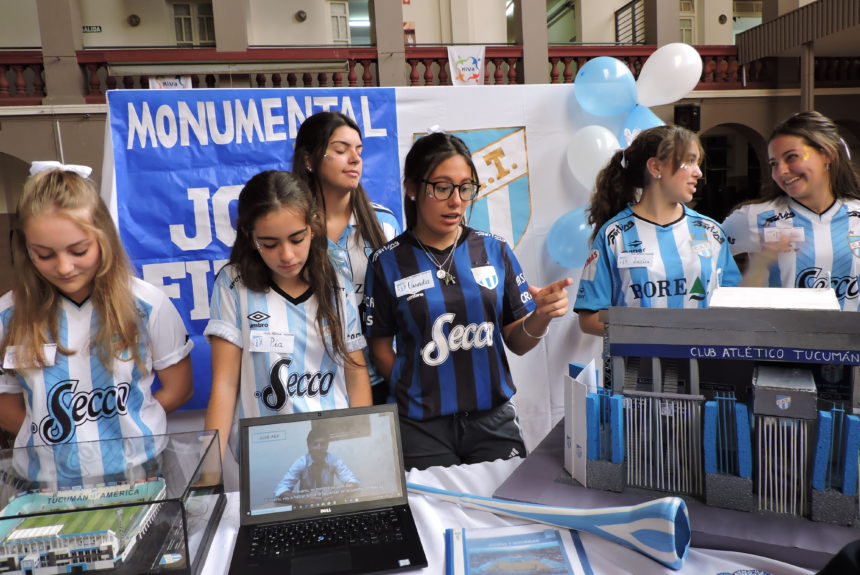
column 77, row 399
column 294, row 373
column 823, row 245
column 350, row 253
column 637, row 263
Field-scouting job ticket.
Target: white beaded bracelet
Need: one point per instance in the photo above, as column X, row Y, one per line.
column 525, row 331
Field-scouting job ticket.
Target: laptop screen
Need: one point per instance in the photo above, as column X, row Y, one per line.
column 323, row 462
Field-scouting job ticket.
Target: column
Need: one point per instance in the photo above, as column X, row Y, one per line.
column 662, row 22
column 388, row 30
column 60, row 30
column 530, row 22
column 231, row 25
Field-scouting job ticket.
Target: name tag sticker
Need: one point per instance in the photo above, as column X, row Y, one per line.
column 635, row 260
column 271, row 342
column 776, row 235
column 10, row 360
column 413, row 284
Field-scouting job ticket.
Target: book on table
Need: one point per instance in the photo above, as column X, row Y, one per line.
column 519, row 549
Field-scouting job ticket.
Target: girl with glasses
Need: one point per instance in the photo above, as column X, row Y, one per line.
column 284, row 327
column 328, row 160
column 805, row 230
column 649, row 249
column 451, row 298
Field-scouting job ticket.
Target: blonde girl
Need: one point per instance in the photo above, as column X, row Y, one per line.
column 81, row 338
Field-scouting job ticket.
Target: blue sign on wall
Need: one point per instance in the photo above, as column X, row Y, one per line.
column 181, row 158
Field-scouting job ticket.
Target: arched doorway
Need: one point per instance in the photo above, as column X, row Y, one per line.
column 733, row 171
column 13, row 173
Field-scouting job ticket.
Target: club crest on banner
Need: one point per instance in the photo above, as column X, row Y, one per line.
column 503, row 206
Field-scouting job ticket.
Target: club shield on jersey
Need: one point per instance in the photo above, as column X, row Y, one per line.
column 450, row 355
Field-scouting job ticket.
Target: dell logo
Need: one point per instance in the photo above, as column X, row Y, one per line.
column 325, row 510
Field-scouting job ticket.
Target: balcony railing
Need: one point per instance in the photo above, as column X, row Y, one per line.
column 258, row 68
column 428, row 65
column 22, row 83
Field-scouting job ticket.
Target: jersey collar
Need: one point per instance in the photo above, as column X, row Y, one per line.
column 343, row 240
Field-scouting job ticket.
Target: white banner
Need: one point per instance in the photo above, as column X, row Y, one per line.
column 467, row 65
column 170, row 83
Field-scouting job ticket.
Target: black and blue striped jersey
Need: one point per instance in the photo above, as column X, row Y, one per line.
column 450, row 355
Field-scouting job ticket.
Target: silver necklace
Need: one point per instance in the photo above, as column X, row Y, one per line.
column 442, row 274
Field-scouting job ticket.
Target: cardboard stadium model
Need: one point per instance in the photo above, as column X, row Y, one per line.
column 159, row 516
column 746, row 409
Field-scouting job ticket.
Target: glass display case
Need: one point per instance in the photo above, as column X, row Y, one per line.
column 133, row 505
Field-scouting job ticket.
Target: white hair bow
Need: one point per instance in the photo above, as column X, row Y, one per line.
column 82, row 171
column 435, row 129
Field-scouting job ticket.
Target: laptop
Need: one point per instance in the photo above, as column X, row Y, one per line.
column 324, row 493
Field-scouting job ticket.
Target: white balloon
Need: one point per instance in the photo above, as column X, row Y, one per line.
column 589, row 151
column 669, row 74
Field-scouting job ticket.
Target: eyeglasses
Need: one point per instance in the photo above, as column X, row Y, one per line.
column 443, row 190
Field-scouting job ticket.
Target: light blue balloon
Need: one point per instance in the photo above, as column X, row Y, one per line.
column 605, row 87
column 569, row 239
column 640, row 118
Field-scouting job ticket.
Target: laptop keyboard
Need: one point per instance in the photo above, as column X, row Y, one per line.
column 369, row 528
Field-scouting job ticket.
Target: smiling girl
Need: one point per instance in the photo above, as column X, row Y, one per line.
column 328, row 158
column 649, row 249
column 81, row 338
column 284, row 326
column 805, row 230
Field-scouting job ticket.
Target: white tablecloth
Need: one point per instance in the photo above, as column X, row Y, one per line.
column 434, row 516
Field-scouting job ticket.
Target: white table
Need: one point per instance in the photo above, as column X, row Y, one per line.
column 434, row 516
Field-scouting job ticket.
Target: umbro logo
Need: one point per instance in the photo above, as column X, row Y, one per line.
column 258, row 319
column 258, row 316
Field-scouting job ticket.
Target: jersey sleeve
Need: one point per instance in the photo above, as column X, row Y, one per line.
column 351, row 320
column 224, row 309
column 595, row 284
column 168, row 336
column 740, row 227
column 391, row 227
column 379, row 304
column 517, row 301
column 8, row 382
column 730, row 275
